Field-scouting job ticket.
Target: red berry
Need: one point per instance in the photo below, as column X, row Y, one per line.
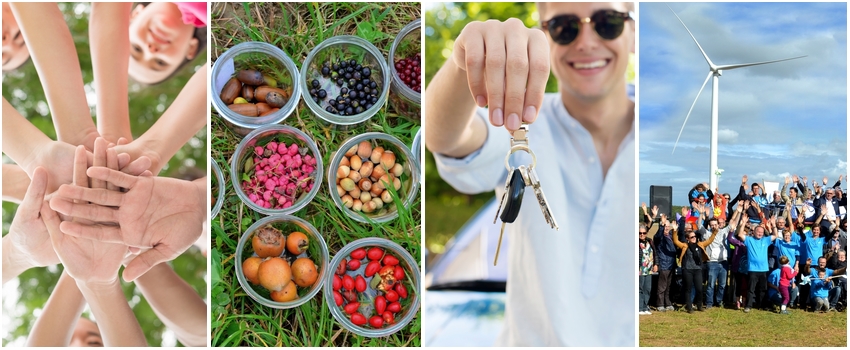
column 380, row 304
column 347, row 282
column 358, row 319
column 375, row 253
column 390, row 260
column 337, row 282
column 394, row 307
column 349, row 295
column 401, row 290
column 351, row 307
column 358, row 254
column 354, row 265
column 360, row 284
column 337, row 298
column 372, row 268
column 376, row 321
column 388, row 317
column 398, row 273
column 340, row 269
column 391, row 296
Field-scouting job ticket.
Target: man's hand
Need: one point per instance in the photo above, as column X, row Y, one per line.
column 744, row 180
column 507, row 66
column 164, row 214
column 787, row 180
column 27, row 231
column 655, row 211
column 796, row 178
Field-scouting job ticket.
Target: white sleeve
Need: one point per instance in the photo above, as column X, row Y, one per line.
column 482, row 170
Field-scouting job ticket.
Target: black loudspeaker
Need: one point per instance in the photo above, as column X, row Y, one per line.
column 662, row 196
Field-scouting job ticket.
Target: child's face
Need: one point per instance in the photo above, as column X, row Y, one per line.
column 86, row 333
column 15, row 51
column 159, row 42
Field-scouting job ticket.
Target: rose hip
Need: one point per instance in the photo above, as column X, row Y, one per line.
column 375, row 253
column 338, row 298
column 351, row 307
column 390, row 260
column 388, row 317
column 347, row 282
column 380, row 304
column 372, row 268
column 360, row 284
column 391, row 296
column 354, row 265
column 376, row 321
column 398, row 273
column 401, row 290
column 358, row 319
column 358, row 254
column 340, row 270
column 394, row 307
column 337, row 282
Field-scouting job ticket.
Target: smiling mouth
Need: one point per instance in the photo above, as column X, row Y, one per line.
column 158, row 37
column 590, row 65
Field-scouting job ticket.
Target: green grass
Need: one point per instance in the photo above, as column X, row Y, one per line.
column 296, row 28
column 726, row 327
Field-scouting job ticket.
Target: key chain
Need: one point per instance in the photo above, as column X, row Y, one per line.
column 518, row 179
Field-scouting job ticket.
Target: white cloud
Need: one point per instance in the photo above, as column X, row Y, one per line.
column 727, row 136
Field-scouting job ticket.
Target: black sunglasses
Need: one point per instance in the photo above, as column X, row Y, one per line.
column 641, row 232
column 608, row 24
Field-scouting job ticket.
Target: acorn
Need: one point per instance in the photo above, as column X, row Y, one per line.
column 248, row 92
column 397, row 184
column 230, row 91
column 369, row 206
column 378, row 203
column 250, row 77
column 376, row 191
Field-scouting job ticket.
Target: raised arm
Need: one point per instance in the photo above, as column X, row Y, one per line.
column 55, row 58
column 109, row 33
column 15, row 183
column 176, row 304
column 55, row 326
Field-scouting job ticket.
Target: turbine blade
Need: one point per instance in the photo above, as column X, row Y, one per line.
column 742, row 65
column 690, row 110
column 708, row 60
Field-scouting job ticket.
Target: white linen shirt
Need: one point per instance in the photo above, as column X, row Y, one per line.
column 575, row 286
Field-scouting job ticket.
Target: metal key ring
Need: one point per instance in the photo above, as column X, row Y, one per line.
column 520, row 147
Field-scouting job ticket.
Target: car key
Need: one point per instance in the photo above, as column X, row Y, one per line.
column 512, row 200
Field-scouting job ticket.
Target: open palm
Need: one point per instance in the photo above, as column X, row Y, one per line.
column 160, row 213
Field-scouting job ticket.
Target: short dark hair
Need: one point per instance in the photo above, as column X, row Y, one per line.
column 713, row 219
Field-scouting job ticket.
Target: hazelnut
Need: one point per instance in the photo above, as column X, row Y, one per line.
column 369, row 207
column 364, row 150
column 354, row 175
column 386, row 197
column 366, row 169
column 386, row 180
column 344, row 161
column 357, row 205
column 356, row 163
column 342, row 171
column 347, row 201
column 365, row 184
column 339, row 190
column 397, row 170
column 347, row 184
column 365, row 197
column 376, row 191
column 351, row 151
column 377, row 172
column 378, row 203
column 397, row 184
column 377, row 153
column 355, row 193
column 388, row 160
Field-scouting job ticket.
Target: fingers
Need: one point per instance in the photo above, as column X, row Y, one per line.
column 123, row 160
column 470, row 47
column 100, row 145
column 143, row 263
column 116, row 177
column 538, row 75
column 111, row 163
column 137, row 167
column 516, row 73
column 494, row 70
column 84, row 211
column 34, row 197
column 80, row 165
column 51, row 222
column 103, row 233
column 98, row 196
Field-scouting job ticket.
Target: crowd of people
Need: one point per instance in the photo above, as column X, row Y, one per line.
column 773, row 251
column 89, row 200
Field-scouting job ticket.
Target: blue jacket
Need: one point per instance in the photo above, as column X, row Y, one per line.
column 665, row 250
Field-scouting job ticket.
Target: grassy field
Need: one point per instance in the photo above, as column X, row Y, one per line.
column 726, row 327
column 297, row 28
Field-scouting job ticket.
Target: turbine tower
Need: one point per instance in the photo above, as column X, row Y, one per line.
column 714, row 72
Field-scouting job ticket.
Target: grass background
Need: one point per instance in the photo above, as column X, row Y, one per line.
column 728, row 327
column 296, row 28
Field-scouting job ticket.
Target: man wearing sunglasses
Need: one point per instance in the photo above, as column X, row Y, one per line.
column 567, row 287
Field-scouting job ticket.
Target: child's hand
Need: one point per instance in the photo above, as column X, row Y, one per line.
column 27, row 232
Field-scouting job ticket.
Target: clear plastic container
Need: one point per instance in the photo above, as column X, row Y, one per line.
column 253, row 55
column 343, row 47
column 317, row 251
column 404, row 100
column 416, row 148
column 219, row 177
column 408, row 190
column 411, row 275
column 262, row 136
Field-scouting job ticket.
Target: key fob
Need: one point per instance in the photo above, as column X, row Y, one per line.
column 514, row 193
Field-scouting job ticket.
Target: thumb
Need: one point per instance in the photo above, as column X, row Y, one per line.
column 144, row 262
column 34, row 197
column 51, row 221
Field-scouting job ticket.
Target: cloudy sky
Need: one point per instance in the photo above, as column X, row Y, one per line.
column 774, row 120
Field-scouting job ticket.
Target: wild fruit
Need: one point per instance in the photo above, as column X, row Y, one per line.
column 274, row 274
column 304, row 272
column 288, row 293
column 351, row 308
column 358, row 254
column 376, row 321
column 388, row 317
column 268, row 241
column 340, row 269
column 337, row 282
column 394, row 307
column 358, row 319
column 380, row 304
column 360, row 284
column 353, row 265
column 401, row 290
column 349, row 295
column 375, row 253
column 347, row 282
column 390, row 260
column 391, row 296
column 250, row 267
column 338, row 298
column 297, row 243
column 372, row 268
column 398, row 273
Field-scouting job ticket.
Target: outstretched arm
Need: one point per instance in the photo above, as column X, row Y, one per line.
column 109, row 32
column 178, row 306
column 55, row 325
column 55, row 57
column 15, row 183
column 176, row 126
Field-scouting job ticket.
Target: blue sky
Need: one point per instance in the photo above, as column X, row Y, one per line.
column 774, row 120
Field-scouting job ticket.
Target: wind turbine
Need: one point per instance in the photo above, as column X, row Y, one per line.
column 714, row 72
